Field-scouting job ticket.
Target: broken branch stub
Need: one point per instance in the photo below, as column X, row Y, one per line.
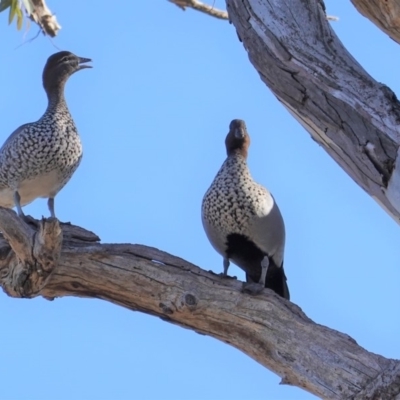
column 28, row 264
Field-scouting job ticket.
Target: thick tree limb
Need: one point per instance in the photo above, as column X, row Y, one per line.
column 384, row 14
column 271, row 330
column 353, row 117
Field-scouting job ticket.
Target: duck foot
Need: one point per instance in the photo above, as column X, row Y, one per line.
column 222, row 275
column 252, row 288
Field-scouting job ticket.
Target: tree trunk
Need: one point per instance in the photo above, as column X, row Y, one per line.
column 70, row 261
column 353, row 117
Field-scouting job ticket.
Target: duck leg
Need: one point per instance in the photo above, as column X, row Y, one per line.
column 50, row 204
column 17, row 202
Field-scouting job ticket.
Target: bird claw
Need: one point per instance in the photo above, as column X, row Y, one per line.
column 222, row 275
column 226, row 276
column 252, row 288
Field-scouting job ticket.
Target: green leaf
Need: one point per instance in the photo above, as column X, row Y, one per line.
column 20, row 18
column 16, row 10
column 4, row 4
column 13, row 10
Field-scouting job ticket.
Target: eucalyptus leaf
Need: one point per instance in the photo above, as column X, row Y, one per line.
column 20, row 18
column 13, row 7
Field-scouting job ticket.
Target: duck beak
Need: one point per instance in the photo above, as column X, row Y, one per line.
column 239, row 133
column 82, row 62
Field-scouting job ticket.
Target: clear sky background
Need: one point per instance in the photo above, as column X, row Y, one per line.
column 153, row 114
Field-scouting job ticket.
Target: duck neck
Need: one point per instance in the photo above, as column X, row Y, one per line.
column 238, row 155
column 55, row 97
column 236, row 164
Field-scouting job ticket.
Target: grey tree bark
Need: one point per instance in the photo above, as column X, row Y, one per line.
column 66, row 260
column 353, row 117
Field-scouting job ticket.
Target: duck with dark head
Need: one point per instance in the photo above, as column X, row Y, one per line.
column 242, row 220
column 39, row 158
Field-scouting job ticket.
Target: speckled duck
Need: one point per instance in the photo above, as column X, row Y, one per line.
column 242, row 220
column 39, row 158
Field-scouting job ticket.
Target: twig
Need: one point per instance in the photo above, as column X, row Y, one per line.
column 332, row 18
column 199, row 6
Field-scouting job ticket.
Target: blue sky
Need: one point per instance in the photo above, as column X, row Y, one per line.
column 153, row 114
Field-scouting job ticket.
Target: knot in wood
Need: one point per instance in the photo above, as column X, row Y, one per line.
column 189, row 300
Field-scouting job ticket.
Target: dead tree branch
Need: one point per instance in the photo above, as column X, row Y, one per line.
column 384, row 14
column 353, row 117
column 199, row 6
column 271, row 330
column 41, row 14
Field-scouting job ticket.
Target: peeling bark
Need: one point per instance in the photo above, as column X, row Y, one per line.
column 384, row 14
column 269, row 329
column 353, row 117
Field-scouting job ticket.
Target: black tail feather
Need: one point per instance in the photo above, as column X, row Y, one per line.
column 276, row 281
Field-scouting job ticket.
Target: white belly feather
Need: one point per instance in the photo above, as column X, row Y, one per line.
column 46, row 185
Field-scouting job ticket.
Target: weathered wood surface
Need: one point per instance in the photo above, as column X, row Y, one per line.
column 354, row 118
column 384, row 14
column 273, row 331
